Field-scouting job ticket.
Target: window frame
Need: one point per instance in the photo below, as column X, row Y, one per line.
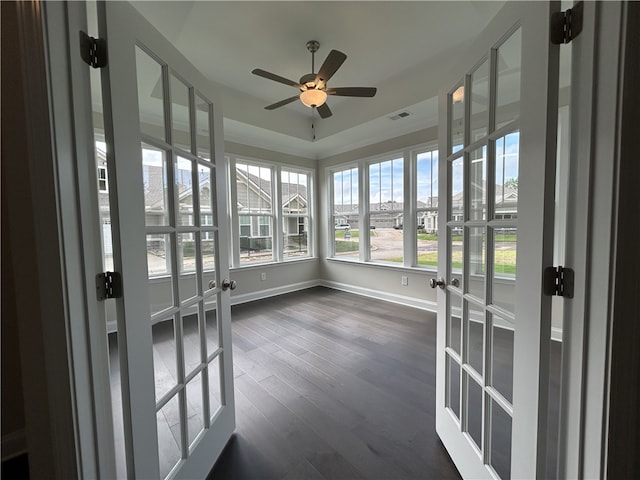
column 276, row 226
column 103, row 179
column 331, row 223
column 310, row 178
column 409, row 209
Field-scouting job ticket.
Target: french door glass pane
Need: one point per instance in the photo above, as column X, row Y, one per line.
column 476, row 244
column 184, row 190
column 215, row 392
column 211, row 331
column 505, row 242
column 453, row 386
column 181, row 115
column 480, row 102
column 478, row 184
column 474, row 410
column 456, row 250
column 150, row 96
column 454, row 337
column 208, row 246
column 203, row 139
column 191, row 342
column 154, row 176
column 502, row 332
column 475, row 337
column 500, row 454
column 456, row 189
column 506, row 181
column 457, row 126
column 159, row 255
column 206, row 187
column 164, row 356
column 187, row 265
column 195, row 411
column 169, row 434
column 508, row 80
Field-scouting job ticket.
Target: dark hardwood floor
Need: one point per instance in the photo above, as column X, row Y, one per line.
column 331, row 385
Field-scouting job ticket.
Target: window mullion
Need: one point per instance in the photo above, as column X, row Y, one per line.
column 409, row 209
column 233, row 209
column 277, row 234
column 364, row 212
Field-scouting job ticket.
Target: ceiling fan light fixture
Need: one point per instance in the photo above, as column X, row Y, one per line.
column 458, row 95
column 313, row 98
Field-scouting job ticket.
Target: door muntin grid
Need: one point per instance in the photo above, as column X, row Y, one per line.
column 481, row 361
column 181, row 227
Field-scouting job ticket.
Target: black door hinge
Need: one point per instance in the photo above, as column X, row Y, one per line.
column 558, row 281
column 93, row 50
column 108, row 285
column 567, row 25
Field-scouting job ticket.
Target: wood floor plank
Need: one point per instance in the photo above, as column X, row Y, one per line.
column 332, row 385
column 341, row 413
column 335, row 434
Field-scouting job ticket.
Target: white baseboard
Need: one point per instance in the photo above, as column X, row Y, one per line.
column 272, row 292
column 389, row 297
column 14, row 444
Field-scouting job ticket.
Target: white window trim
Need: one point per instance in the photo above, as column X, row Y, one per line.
column 277, row 215
column 410, row 208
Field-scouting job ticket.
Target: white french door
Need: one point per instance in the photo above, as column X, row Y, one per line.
column 498, row 117
column 165, row 149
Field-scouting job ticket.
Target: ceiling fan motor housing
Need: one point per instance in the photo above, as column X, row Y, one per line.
column 308, row 80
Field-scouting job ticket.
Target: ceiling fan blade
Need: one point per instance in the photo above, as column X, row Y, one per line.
column 281, row 103
column 324, row 111
column 275, row 78
column 352, row 91
column 329, row 67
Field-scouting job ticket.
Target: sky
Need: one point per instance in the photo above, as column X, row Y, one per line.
column 386, row 178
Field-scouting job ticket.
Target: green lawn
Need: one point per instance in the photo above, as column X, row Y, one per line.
column 343, row 246
column 505, row 261
column 458, row 238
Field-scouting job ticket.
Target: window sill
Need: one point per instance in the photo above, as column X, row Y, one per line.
column 390, row 266
column 273, row 263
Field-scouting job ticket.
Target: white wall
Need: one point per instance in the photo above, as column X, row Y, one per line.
column 381, row 281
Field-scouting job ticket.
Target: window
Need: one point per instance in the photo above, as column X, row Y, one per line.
column 400, row 209
column 386, row 210
column 346, row 219
column 273, row 209
column 103, row 184
column 295, row 213
column 427, row 208
column 254, row 195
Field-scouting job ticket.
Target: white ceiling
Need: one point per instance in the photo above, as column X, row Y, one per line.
column 399, row 47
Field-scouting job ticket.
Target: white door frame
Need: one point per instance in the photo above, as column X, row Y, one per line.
column 65, row 159
column 590, row 248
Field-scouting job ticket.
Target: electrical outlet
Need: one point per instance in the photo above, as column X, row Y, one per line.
column 404, row 280
column 263, row 276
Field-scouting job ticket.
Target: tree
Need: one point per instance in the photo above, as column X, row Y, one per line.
column 512, row 183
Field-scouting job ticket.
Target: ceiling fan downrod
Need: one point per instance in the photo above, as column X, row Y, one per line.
column 313, row 46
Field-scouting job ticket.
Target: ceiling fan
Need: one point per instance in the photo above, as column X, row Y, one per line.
column 313, row 86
